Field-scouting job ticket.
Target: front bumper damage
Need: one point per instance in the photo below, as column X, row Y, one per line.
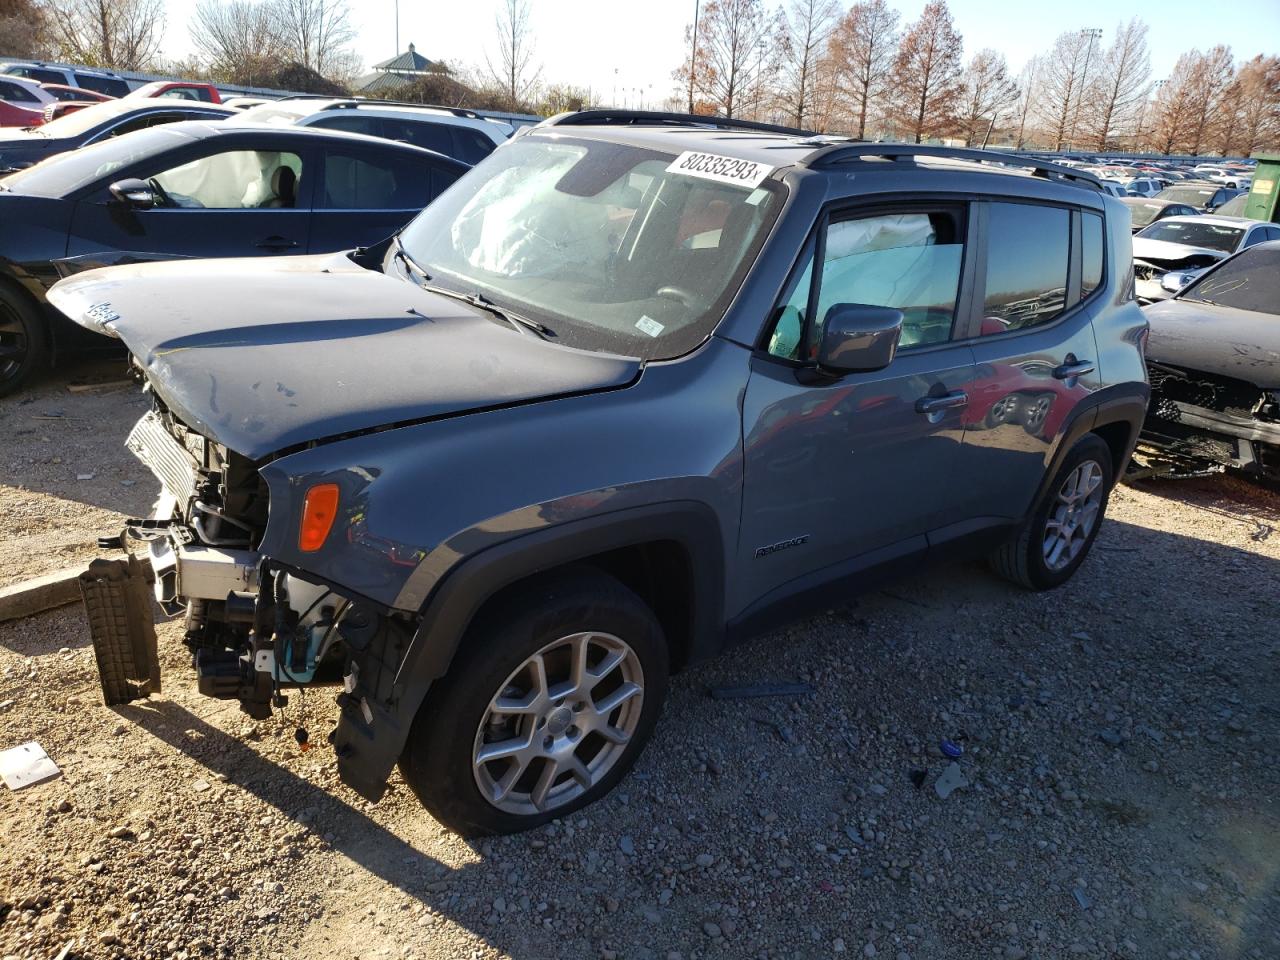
column 1197, row 423
column 254, row 628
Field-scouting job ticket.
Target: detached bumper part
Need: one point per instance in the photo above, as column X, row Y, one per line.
column 117, row 603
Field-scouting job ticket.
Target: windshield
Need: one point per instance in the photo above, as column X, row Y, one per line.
column 1250, row 281
column 603, row 243
column 1144, row 213
column 1195, row 196
column 1214, row 236
column 63, row 173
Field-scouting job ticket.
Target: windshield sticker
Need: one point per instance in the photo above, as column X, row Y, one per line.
column 649, row 325
column 709, row 166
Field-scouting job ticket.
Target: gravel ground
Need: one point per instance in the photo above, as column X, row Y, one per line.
column 1122, row 759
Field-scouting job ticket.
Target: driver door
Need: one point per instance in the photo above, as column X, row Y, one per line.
column 231, row 199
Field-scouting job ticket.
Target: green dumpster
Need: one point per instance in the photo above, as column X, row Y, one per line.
column 1261, row 204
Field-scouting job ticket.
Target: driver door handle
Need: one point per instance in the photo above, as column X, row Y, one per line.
column 957, row 398
column 276, row 243
column 1073, row 368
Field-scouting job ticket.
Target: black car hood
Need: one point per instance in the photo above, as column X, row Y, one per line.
column 24, row 149
column 264, row 354
column 1219, row 340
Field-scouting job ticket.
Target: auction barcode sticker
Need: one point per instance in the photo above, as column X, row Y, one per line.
column 710, row 166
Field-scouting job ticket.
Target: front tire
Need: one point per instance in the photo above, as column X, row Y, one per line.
column 1056, row 537
column 552, row 696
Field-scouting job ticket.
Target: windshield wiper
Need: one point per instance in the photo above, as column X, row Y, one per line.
column 411, row 264
column 476, row 299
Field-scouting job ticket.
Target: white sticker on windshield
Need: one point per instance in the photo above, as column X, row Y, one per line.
column 710, row 166
column 649, row 325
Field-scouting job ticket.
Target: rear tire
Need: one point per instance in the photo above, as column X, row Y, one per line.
column 1057, row 535
column 24, row 340
column 559, row 742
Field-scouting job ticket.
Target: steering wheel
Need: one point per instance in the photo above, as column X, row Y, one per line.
column 154, row 184
column 679, row 294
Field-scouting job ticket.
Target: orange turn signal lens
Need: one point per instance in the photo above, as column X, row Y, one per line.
column 318, row 511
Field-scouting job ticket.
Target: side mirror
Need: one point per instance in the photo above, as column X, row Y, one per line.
column 134, row 193
column 858, row 338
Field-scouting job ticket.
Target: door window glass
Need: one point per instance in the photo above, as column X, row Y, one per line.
column 351, row 123
column 1027, row 255
column 469, row 146
column 16, row 93
column 234, row 180
column 365, row 181
column 420, row 133
column 1090, row 253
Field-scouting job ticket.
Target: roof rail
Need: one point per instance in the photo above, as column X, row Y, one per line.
column 844, row 152
column 349, row 104
column 658, row 118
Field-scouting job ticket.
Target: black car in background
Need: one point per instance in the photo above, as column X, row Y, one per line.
column 20, row 148
column 1144, row 211
column 193, row 190
column 1205, row 196
column 1214, row 362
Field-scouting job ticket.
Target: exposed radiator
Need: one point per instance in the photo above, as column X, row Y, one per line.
column 164, row 456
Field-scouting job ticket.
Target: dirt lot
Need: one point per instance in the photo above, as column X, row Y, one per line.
column 1122, row 747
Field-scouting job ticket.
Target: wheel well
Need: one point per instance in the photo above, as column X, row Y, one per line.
column 659, row 572
column 1117, row 437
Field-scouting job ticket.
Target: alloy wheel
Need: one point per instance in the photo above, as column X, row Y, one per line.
column 13, row 341
column 559, row 723
column 1073, row 515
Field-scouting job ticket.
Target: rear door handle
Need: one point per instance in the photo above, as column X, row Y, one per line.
column 1073, row 368
column 276, row 243
column 947, row 401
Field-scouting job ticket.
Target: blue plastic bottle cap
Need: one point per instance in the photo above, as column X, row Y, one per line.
column 950, row 748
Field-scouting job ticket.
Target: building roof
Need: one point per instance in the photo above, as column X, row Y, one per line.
column 408, row 62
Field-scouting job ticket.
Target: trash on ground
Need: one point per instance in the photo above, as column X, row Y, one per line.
column 952, row 779
column 1081, row 898
column 25, row 765
column 950, row 748
column 762, row 690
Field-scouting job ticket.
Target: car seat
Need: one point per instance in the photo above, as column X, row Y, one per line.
column 284, row 188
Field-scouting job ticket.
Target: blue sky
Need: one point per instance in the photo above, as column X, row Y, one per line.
column 629, row 45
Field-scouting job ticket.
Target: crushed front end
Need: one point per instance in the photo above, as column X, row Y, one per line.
column 255, row 628
column 1203, row 423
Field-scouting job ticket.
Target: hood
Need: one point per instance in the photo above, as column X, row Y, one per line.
column 1222, row 341
column 1145, row 248
column 265, row 354
column 21, row 149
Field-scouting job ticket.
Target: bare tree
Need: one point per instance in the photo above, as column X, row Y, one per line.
column 729, row 35
column 1029, row 89
column 1062, row 82
column 1172, row 111
column 316, row 34
column 21, row 28
column 1210, row 80
column 988, row 92
column 119, row 34
column 927, row 85
column 1122, row 85
column 863, row 48
column 513, row 68
column 806, row 25
column 236, row 38
column 1254, row 123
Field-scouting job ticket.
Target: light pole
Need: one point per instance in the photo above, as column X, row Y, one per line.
column 1093, row 33
column 693, row 53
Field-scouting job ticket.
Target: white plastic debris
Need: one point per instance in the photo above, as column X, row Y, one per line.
column 26, row 765
column 952, row 779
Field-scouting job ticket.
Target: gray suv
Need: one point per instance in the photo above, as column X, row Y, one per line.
column 635, row 389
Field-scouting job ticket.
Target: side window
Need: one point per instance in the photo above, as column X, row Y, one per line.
column 234, row 180
column 351, row 123
column 910, row 261
column 1256, row 235
column 108, row 85
column 144, row 121
column 16, row 93
column 442, row 178
column 366, row 181
column 1273, row 233
column 1091, row 248
column 469, row 146
column 421, row 133
column 41, row 76
column 1027, row 257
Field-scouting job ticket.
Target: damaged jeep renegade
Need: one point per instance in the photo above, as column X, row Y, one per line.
column 636, row 388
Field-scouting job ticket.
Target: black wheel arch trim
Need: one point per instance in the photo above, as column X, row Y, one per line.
column 368, row 750
column 1124, row 403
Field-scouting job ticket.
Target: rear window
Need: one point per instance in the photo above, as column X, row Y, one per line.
column 1250, row 281
column 16, row 93
column 1027, row 256
column 40, row 74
